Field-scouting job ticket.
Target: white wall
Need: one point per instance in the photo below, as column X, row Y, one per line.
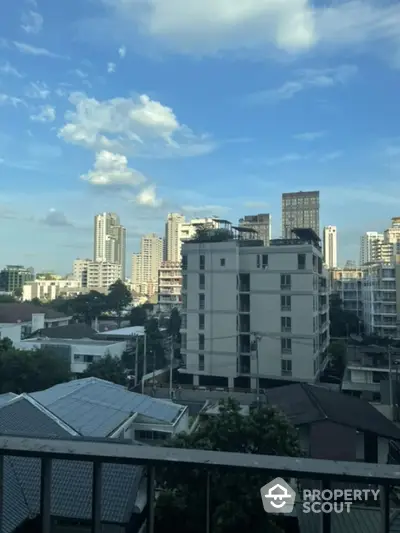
column 11, row 331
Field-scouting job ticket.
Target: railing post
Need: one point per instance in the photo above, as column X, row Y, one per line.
column 208, row 502
column 384, row 495
column 45, row 495
column 96, row 497
column 151, row 480
column 325, row 518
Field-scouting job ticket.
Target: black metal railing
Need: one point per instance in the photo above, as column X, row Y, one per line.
column 99, row 452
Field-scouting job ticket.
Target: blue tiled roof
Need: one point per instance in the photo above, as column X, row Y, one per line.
column 71, row 480
column 4, row 398
column 96, row 408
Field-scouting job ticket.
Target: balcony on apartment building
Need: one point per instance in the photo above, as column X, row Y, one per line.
column 100, row 454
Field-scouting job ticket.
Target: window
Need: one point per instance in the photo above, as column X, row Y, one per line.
column 301, row 261
column 286, row 324
column 201, row 362
column 202, row 262
column 286, row 303
column 183, row 321
column 202, row 301
column 184, row 262
column 286, row 345
column 201, row 341
column 265, row 261
column 184, row 282
column 222, row 261
column 286, row 367
column 286, row 281
column 201, row 321
column 258, row 260
column 202, row 282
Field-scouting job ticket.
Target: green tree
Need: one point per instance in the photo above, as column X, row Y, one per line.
column 342, row 323
column 235, row 504
column 108, row 368
column 31, row 370
column 18, row 292
column 36, row 301
column 87, row 307
column 155, row 346
column 138, row 316
column 337, row 352
column 174, row 324
column 118, row 298
column 7, row 299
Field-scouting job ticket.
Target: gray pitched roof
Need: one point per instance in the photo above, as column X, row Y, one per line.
column 96, row 408
column 12, row 312
column 305, row 404
column 72, row 331
column 4, row 398
column 71, row 480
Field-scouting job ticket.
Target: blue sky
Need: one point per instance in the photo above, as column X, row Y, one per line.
column 208, row 107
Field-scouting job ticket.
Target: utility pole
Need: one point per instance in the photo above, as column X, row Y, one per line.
column 144, row 360
column 170, row 366
column 136, row 360
column 254, row 344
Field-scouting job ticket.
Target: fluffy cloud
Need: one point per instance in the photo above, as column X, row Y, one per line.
column 111, row 67
column 6, row 99
column 56, row 218
column 147, row 197
column 32, row 22
column 303, row 80
column 138, row 126
column 111, row 170
column 45, row 114
column 290, row 25
column 122, row 52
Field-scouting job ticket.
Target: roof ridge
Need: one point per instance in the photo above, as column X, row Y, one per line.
column 311, row 396
column 51, row 415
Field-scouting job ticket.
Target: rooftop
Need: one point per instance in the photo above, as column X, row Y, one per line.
column 94, row 407
column 71, row 331
column 78, row 342
column 124, row 332
column 11, row 313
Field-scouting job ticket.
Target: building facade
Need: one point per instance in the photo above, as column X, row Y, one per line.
column 300, row 210
column 250, row 311
column 109, row 240
column 173, row 237
column 261, row 224
column 49, row 289
column 169, row 286
column 370, row 247
column 347, row 284
column 145, row 265
column 330, row 246
column 14, row 277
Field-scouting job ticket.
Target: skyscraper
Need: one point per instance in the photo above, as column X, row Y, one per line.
column 300, row 210
column 109, row 240
column 145, row 265
column 261, row 224
column 370, row 247
column 330, row 246
column 173, row 237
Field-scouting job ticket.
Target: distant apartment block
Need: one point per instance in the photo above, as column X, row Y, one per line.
column 300, row 210
column 330, row 246
column 109, row 240
column 145, row 265
column 14, row 277
column 237, row 293
column 45, row 289
column 169, row 286
column 370, row 247
column 347, row 283
column 97, row 275
column 261, row 224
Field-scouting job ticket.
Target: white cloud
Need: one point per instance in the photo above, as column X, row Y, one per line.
column 286, row 25
column 35, row 51
column 79, row 73
column 6, row 99
column 305, row 79
column 111, row 170
column 138, row 126
column 309, row 136
column 47, row 113
column 38, row 90
column 8, row 69
column 32, row 22
column 111, row 67
column 147, row 197
column 56, row 218
column 122, row 52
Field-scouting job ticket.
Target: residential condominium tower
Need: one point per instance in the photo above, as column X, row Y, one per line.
column 261, row 224
column 300, row 210
column 330, row 246
column 109, row 240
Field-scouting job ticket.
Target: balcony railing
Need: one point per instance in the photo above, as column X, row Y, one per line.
column 99, row 452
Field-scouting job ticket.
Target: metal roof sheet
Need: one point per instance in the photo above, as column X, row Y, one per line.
column 95, row 407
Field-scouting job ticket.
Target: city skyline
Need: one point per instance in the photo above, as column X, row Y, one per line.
column 122, row 124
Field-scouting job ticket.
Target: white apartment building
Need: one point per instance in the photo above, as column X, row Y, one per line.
column 79, row 271
column 237, row 295
column 330, row 246
column 173, row 237
column 381, row 299
column 347, row 284
column 370, row 247
column 145, row 265
column 169, row 286
column 100, row 275
column 49, row 289
column 109, row 240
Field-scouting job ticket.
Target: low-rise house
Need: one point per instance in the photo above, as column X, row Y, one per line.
column 71, row 331
column 18, row 320
column 333, row 425
column 122, row 486
column 97, row 408
column 80, row 352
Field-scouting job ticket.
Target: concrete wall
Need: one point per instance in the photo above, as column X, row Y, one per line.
column 11, row 331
